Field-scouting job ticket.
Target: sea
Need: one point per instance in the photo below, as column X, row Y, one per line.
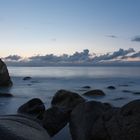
column 46, row 81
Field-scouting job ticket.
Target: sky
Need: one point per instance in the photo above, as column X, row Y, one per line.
column 32, row 27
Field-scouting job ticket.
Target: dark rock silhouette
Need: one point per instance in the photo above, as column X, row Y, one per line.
column 94, row 93
column 54, row 119
column 5, row 94
column 111, row 87
column 17, row 127
column 66, row 99
column 86, row 87
column 5, row 79
column 27, row 78
column 34, row 108
column 98, row 121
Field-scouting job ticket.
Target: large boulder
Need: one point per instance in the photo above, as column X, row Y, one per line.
column 34, row 107
column 4, row 75
column 17, row 127
column 54, row 119
column 84, row 117
column 98, row 121
column 66, row 99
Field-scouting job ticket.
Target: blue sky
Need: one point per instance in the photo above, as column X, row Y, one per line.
column 29, row 27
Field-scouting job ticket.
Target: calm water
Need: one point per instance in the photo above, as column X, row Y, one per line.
column 47, row 80
column 76, row 72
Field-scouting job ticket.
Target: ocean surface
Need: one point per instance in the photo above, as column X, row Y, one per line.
column 46, row 81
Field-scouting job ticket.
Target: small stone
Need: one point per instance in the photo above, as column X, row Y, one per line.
column 96, row 92
column 111, row 87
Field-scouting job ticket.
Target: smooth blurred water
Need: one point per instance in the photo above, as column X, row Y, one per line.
column 76, row 72
column 47, row 80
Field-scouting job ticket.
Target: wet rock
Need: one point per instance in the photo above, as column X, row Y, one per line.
column 136, row 93
column 5, row 79
column 5, row 94
column 16, row 127
column 27, row 78
column 86, row 87
column 84, row 117
column 96, row 121
column 34, row 107
column 119, row 98
column 54, row 119
column 66, row 99
column 111, row 87
column 127, row 91
column 94, row 93
column 125, row 123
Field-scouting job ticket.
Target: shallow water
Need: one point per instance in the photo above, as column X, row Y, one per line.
column 47, row 80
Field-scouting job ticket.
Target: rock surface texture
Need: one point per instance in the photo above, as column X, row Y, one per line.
column 5, row 79
column 34, row 107
column 97, row 121
column 21, row 128
column 66, row 99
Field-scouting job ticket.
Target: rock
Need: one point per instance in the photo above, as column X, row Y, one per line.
column 86, row 87
column 54, row 119
column 34, row 107
column 66, row 99
column 5, row 79
column 98, row 121
column 16, row 127
column 119, row 98
column 136, row 93
column 83, row 117
column 27, row 78
column 111, row 87
column 94, row 93
column 127, row 91
column 124, row 125
column 6, row 95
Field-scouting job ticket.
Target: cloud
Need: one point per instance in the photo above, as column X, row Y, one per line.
column 114, row 55
column 80, row 57
column 136, row 39
column 84, row 58
column 13, row 57
column 135, row 55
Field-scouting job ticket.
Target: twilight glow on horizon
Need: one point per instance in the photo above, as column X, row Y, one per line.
column 31, row 27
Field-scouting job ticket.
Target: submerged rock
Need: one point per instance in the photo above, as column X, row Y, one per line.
column 136, row 93
column 5, row 79
column 16, row 127
column 66, row 99
column 54, row 119
column 127, row 91
column 27, row 78
column 111, row 87
column 86, row 87
column 95, row 93
column 33, row 107
column 119, row 98
column 5, row 95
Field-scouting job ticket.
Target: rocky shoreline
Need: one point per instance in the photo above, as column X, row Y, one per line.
column 87, row 120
